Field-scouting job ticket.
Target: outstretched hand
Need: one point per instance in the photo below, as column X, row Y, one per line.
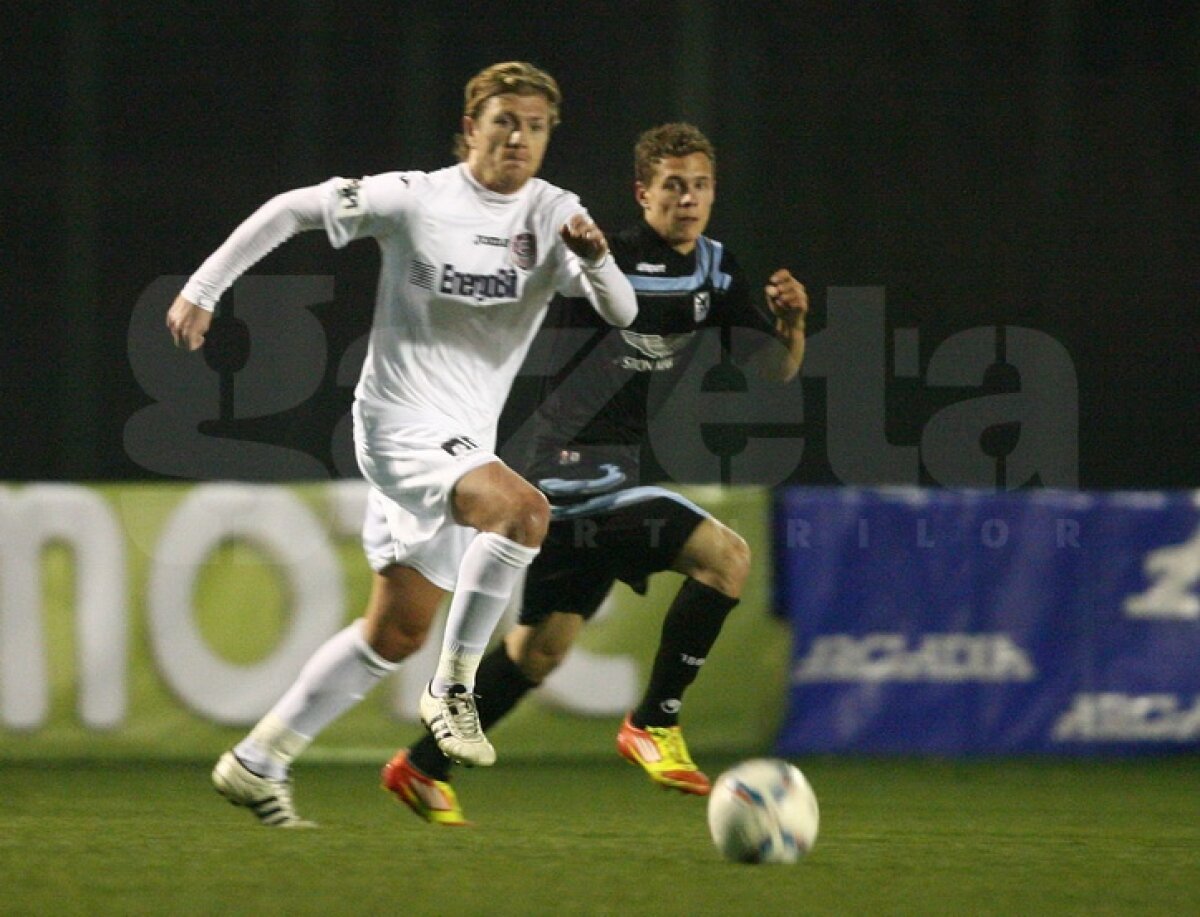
column 584, row 238
column 787, row 298
column 188, row 323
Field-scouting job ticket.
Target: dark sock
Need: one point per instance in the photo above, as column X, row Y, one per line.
column 499, row 686
column 689, row 631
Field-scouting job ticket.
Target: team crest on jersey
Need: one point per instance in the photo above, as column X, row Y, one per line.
column 701, row 303
column 524, row 250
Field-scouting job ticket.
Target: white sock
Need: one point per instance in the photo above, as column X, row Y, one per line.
column 337, row 676
column 489, row 570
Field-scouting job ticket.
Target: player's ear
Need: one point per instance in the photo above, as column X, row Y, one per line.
column 639, row 193
column 468, row 130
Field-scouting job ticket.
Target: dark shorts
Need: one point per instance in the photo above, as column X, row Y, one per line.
column 626, row 535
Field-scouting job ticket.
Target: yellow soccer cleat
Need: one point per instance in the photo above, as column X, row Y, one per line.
column 663, row 754
column 433, row 800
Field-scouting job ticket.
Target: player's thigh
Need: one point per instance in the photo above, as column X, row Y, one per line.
column 414, row 465
column 644, row 532
column 716, row 555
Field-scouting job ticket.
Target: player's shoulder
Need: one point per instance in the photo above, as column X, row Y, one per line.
column 629, row 237
column 412, row 179
column 720, row 256
column 378, row 186
column 548, row 193
column 632, row 244
column 415, row 180
column 717, row 247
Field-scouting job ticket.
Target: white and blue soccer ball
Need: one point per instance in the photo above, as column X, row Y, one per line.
column 763, row 811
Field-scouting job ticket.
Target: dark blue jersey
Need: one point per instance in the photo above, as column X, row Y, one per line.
column 599, row 404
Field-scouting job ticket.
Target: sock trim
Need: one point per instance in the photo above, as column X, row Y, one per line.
column 507, row 551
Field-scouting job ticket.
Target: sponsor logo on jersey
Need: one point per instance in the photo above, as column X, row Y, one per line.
column 460, row 445
column 657, row 345
column 494, row 241
column 500, row 285
column 349, row 193
column 641, row 365
column 933, row 658
column 1110, row 716
column 524, row 250
column 645, row 267
column 659, row 349
column 701, row 303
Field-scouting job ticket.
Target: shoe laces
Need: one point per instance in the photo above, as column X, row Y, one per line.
column 670, row 739
column 463, row 715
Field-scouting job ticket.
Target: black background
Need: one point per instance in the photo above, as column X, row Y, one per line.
column 1028, row 164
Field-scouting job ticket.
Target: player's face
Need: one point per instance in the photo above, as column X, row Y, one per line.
column 507, row 141
column 678, row 201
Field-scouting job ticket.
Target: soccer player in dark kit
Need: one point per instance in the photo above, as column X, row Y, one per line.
column 584, row 456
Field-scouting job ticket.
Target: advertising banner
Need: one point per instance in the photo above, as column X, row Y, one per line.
column 960, row 622
column 163, row 620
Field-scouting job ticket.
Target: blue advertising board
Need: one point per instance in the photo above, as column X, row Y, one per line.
column 971, row 622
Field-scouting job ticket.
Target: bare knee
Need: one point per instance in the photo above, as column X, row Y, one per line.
column 396, row 638
column 495, row 499
column 726, row 565
column 523, row 517
column 539, row 649
column 537, row 662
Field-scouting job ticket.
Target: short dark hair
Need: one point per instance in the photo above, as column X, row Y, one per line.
column 517, row 77
column 669, row 140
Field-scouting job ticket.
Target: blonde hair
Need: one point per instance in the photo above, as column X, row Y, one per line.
column 516, row 77
column 669, row 141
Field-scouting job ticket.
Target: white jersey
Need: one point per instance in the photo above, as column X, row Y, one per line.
column 465, row 279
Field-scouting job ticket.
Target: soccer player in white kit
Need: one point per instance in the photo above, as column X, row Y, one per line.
column 471, row 256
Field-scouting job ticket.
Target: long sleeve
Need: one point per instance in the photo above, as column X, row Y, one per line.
column 611, row 294
column 276, row 221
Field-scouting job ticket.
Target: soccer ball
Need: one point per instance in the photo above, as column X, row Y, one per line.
column 763, row 811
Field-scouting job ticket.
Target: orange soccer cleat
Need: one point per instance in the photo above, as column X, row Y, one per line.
column 663, row 755
column 433, row 800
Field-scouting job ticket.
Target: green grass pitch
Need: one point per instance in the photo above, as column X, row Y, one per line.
column 595, row 837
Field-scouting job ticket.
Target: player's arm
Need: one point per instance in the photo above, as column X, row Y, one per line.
column 610, row 292
column 266, row 229
column 788, row 301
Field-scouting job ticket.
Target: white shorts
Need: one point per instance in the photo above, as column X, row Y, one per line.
column 412, row 467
